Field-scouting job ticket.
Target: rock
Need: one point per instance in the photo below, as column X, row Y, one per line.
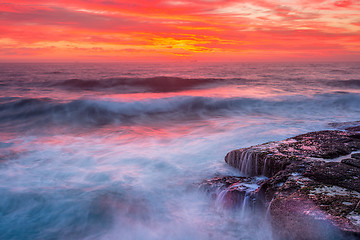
column 217, row 184
column 312, row 191
column 231, row 192
column 326, row 144
column 351, row 162
column 258, row 160
column 270, row 158
column 335, row 173
column 355, row 129
column 298, row 218
column 306, row 209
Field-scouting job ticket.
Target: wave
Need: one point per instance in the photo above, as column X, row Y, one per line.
column 91, row 112
column 340, row 71
column 153, row 84
column 54, row 73
column 352, row 83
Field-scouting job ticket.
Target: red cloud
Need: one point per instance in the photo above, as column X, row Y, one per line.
column 168, row 28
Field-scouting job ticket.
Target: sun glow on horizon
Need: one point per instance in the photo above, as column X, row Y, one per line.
column 162, row 30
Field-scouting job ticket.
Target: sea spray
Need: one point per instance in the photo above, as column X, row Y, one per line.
column 86, row 154
column 239, row 197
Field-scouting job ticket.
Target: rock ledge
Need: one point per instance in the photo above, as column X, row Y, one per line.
column 313, row 183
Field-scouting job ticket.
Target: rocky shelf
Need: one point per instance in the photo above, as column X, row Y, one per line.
column 312, row 184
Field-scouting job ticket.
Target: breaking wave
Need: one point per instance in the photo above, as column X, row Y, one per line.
column 88, row 112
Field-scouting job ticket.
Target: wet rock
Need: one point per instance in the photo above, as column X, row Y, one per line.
column 326, row 144
column 312, row 191
column 355, row 129
column 352, row 162
column 299, row 218
column 270, row 158
column 335, row 173
column 216, row 184
column 257, row 160
column 232, row 192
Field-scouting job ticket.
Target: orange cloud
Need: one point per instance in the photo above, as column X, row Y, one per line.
column 160, row 30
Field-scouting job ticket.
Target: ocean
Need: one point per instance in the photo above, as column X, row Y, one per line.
column 118, row 150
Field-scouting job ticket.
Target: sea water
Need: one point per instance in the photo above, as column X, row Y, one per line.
column 117, row 150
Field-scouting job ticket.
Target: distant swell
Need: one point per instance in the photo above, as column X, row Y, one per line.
column 154, row 84
column 353, row 83
column 85, row 112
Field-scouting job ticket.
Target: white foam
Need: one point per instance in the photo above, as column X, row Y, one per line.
column 339, row 159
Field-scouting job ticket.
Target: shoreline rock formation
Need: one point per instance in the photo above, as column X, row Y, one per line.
column 312, row 189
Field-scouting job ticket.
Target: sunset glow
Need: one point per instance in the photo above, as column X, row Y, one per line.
column 169, row 30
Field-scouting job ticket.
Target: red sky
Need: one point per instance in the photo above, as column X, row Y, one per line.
column 178, row 30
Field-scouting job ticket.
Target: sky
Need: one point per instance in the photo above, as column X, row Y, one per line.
column 179, row 30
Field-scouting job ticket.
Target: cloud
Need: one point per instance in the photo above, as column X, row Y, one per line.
column 162, row 28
